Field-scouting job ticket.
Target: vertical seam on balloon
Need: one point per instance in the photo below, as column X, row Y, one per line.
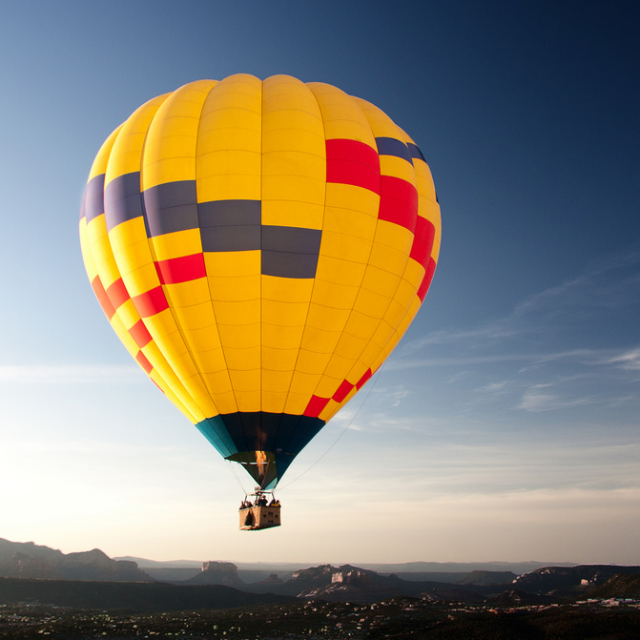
column 382, row 318
column 308, row 89
column 153, row 256
column 195, row 174
column 343, row 332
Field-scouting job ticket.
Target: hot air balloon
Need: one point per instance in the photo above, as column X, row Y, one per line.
column 259, row 247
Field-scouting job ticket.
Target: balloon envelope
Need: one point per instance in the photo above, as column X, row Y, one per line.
column 259, row 247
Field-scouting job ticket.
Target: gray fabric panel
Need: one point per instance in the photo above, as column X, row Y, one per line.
column 221, row 213
column 225, row 238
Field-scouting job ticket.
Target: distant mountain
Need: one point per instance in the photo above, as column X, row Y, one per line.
column 28, row 560
column 224, row 573
column 484, row 578
column 618, row 586
column 569, row 581
column 147, row 597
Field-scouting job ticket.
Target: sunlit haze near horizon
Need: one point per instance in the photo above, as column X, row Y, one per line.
column 504, row 427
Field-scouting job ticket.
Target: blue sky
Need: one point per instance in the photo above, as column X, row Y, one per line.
column 505, row 425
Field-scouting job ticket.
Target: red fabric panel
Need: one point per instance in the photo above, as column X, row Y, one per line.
column 103, row 298
column 398, row 202
column 426, row 281
column 423, row 241
column 144, row 363
column 315, row 406
column 118, row 293
column 353, row 162
column 343, row 391
column 181, row 269
column 364, row 379
column 140, row 334
column 151, row 302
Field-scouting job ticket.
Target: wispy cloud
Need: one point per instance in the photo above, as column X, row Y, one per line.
column 68, row 374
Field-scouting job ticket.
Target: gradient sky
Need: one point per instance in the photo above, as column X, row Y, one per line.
column 506, row 424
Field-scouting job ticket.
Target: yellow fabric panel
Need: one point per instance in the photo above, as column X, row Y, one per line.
column 393, row 235
column 233, row 289
column 284, row 213
column 240, row 313
column 398, row 168
column 345, row 275
column 345, row 247
column 272, row 401
column 170, row 146
column 371, row 304
column 327, row 386
column 176, row 244
column 133, row 256
column 233, row 336
column 283, row 314
column 320, row 340
column 350, row 209
column 283, row 337
column 380, row 123
column 350, row 346
column 327, row 318
column 339, row 366
column 380, row 281
column 341, row 116
column 187, row 294
column 302, row 384
column 128, row 314
column 335, row 295
column 389, row 259
column 166, row 371
column 196, row 320
column 242, row 359
column 311, row 362
column 296, row 403
column 276, row 381
column 245, row 381
column 212, row 362
column 162, row 324
column 99, row 165
column 236, row 263
column 141, row 280
column 414, row 274
column 293, row 154
column 173, row 398
column 383, row 334
column 286, row 289
column 226, row 402
column 100, row 248
column 360, row 324
column 279, row 358
column 126, row 153
column 229, row 141
column 426, row 187
column 331, row 409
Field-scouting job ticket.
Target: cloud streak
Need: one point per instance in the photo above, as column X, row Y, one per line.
column 69, row 374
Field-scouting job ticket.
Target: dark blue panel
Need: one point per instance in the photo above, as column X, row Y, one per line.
column 171, row 207
column 393, row 147
column 215, row 431
column 304, row 433
column 290, row 252
column 221, row 213
column 93, row 198
column 280, row 434
column 122, row 199
column 415, row 152
column 239, row 238
column 230, row 225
